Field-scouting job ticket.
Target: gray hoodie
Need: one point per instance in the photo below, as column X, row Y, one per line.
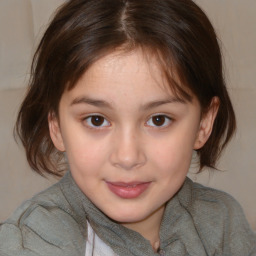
column 198, row 221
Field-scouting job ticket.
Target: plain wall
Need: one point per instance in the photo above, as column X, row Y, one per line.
column 21, row 25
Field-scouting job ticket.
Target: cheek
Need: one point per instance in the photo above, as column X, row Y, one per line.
column 85, row 154
column 173, row 153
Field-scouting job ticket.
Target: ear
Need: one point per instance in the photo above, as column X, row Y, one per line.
column 206, row 124
column 55, row 132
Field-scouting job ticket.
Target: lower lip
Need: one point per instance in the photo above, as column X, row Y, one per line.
column 128, row 192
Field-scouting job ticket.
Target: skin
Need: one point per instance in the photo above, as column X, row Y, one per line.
column 127, row 144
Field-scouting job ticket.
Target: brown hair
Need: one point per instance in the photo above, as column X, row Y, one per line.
column 83, row 31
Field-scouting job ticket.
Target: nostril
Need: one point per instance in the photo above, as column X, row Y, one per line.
column 127, row 159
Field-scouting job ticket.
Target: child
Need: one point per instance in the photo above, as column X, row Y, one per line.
column 124, row 91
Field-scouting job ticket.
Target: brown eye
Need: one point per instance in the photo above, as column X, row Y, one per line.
column 159, row 121
column 96, row 121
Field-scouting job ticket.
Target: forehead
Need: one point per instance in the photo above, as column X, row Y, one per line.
column 124, row 81
column 121, row 73
column 129, row 66
column 138, row 66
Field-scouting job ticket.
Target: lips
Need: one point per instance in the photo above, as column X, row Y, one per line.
column 128, row 190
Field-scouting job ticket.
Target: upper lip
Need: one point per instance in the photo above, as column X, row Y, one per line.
column 127, row 184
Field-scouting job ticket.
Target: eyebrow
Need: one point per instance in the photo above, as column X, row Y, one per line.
column 91, row 101
column 105, row 104
column 158, row 103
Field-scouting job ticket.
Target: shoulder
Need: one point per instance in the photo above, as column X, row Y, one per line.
column 211, row 199
column 220, row 221
column 43, row 225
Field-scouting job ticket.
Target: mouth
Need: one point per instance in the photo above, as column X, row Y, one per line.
column 128, row 190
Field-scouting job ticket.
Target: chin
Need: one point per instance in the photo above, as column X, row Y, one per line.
column 127, row 216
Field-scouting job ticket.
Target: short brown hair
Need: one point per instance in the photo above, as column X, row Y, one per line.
column 83, row 31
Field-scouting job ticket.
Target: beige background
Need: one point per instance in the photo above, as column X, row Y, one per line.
column 21, row 25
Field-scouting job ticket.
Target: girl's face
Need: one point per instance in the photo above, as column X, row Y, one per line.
column 128, row 139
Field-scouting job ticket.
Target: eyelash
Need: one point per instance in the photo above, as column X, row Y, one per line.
column 89, row 123
column 103, row 122
column 167, row 121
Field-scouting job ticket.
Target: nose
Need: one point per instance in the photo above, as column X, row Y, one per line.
column 128, row 151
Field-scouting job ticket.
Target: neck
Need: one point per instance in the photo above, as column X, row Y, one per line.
column 149, row 227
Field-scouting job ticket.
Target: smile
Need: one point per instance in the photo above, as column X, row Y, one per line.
column 128, row 190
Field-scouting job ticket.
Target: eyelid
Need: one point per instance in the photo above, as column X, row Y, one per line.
column 91, row 126
column 170, row 120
